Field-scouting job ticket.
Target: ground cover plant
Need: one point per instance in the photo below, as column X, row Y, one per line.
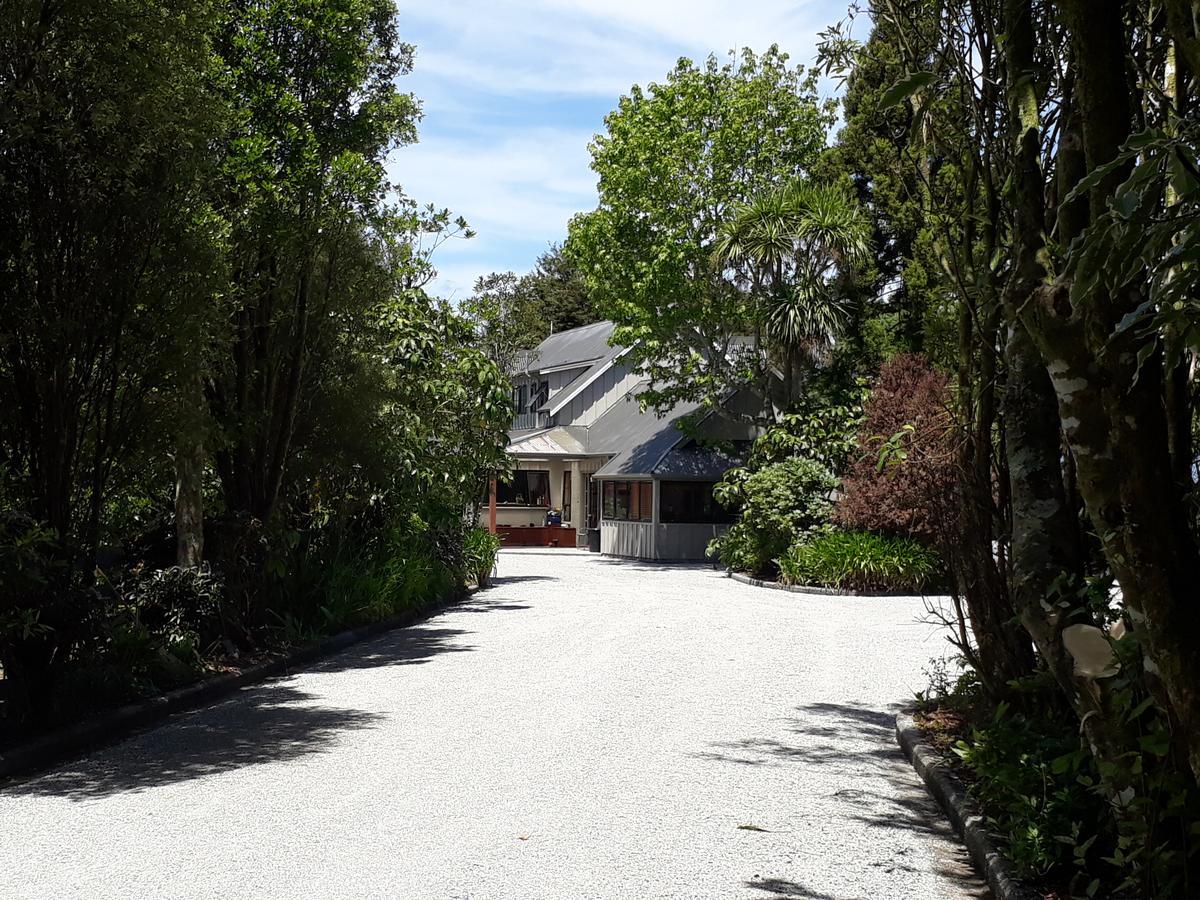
column 860, row 561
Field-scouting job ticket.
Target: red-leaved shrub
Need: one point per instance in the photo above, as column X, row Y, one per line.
column 913, row 490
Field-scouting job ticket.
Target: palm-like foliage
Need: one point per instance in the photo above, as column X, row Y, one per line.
column 788, row 246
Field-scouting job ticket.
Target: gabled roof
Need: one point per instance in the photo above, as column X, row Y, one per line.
column 641, row 444
column 638, row 439
column 575, row 347
column 581, row 382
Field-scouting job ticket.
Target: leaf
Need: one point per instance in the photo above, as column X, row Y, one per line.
column 905, row 88
column 1132, row 318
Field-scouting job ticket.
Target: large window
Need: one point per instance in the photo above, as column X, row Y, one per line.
column 629, row 501
column 529, row 396
column 690, row 502
column 528, row 487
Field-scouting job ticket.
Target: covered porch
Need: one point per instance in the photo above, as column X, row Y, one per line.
column 550, row 500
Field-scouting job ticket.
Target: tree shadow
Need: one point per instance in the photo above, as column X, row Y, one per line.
column 831, row 734
column 499, row 581
column 488, row 607
column 274, row 722
column 411, row 646
column 270, row 722
column 780, row 888
column 857, row 743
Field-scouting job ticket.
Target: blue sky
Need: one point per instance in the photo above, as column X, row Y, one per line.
column 514, row 90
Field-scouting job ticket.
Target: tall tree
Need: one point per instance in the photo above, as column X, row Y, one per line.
column 787, row 249
column 507, row 316
column 109, row 252
column 562, row 297
column 318, row 109
column 676, row 159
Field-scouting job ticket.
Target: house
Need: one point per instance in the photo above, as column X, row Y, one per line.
column 583, row 446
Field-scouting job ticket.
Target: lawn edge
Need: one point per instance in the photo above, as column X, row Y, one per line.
column 114, row 725
column 963, row 812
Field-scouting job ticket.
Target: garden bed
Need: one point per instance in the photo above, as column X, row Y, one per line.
column 812, row 588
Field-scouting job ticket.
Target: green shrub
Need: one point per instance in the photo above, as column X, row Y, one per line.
column 480, row 549
column 860, row 561
column 778, row 505
column 180, row 604
column 1030, row 776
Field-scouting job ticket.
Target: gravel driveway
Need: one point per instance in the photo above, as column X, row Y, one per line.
column 586, row 728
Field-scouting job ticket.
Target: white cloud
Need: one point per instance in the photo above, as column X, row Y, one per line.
column 513, row 92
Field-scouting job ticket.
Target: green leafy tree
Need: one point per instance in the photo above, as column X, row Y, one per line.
column 562, row 297
column 313, row 85
column 110, row 254
column 507, row 316
column 676, row 160
column 875, row 153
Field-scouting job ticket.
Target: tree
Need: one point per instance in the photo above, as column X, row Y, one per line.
column 875, row 151
column 676, row 160
column 787, row 249
column 1056, row 147
column 562, row 298
column 507, row 317
column 109, row 251
column 318, row 109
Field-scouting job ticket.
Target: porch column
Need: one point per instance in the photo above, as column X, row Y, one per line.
column 655, row 518
column 578, row 505
column 492, row 505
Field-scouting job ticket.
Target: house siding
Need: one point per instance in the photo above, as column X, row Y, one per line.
column 633, row 539
column 685, row 542
column 598, row 397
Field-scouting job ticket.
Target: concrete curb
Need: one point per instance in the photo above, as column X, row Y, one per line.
column 963, row 812
column 810, row 589
column 116, row 724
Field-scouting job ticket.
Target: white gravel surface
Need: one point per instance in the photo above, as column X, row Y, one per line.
column 586, row 728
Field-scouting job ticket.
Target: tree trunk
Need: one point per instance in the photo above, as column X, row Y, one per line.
column 189, row 483
column 1112, row 408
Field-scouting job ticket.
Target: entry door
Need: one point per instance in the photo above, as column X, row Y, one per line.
column 593, row 503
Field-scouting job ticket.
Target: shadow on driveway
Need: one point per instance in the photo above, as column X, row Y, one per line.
column 269, row 723
column 857, row 745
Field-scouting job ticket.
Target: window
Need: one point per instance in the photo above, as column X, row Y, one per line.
column 540, row 396
column 520, row 394
column 527, row 487
column 566, row 496
column 691, row 502
column 629, row 501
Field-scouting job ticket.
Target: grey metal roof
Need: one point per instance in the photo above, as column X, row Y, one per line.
column 583, row 346
column 638, row 439
column 708, row 463
column 561, row 440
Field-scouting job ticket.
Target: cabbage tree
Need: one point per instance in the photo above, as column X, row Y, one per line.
column 788, row 250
